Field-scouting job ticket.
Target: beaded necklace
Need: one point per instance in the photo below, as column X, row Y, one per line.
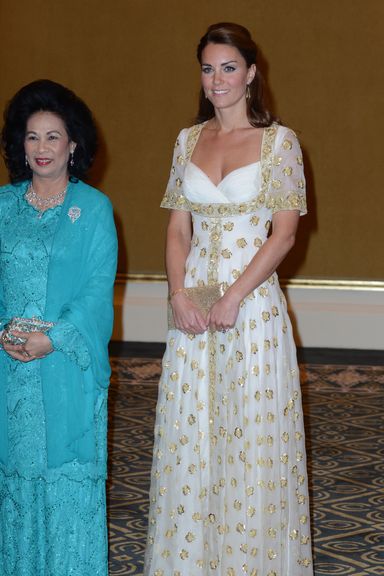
column 41, row 203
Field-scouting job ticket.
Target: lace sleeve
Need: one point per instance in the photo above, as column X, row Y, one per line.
column 3, row 319
column 174, row 197
column 67, row 339
column 3, row 208
column 287, row 185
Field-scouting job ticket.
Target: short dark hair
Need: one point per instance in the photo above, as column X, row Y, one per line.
column 47, row 96
column 239, row 37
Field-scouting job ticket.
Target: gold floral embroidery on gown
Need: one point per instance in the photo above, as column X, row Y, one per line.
column 229, row 493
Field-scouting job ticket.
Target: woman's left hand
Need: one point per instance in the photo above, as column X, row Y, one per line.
column 37, row 345
column 223, row 314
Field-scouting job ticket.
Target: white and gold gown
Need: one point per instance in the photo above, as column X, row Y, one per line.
column 229, row 494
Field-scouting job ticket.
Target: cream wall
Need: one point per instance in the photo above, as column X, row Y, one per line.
column 324, row 315
column 133, row 61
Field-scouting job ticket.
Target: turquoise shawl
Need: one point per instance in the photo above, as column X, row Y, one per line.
column 80, row 290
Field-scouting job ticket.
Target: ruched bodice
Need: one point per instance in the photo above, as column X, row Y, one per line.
column 237, row 186
column 236, row 239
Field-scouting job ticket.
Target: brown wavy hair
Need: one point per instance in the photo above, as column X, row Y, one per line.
column 239, row 37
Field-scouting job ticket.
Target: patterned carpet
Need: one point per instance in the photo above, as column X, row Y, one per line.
column 344, row 412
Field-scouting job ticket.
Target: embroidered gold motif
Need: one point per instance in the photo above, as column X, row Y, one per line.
column 241, row 242
column 228, row 226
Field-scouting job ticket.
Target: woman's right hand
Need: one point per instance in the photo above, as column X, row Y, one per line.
column 36, row 346
column 16, row 351
column 188, row 318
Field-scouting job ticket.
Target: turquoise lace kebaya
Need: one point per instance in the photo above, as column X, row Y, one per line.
column 52, row 515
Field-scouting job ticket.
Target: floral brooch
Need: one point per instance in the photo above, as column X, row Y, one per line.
column 74, row 213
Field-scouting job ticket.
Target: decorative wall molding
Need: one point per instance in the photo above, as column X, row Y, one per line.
column 326, row 284
column 324, row 313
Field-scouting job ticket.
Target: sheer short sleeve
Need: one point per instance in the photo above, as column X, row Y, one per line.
column 287, row 184
column 174, row 197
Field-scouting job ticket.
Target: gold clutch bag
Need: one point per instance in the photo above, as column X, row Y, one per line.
column 204, row 297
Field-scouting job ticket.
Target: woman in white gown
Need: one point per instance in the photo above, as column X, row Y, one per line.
column 229, row 493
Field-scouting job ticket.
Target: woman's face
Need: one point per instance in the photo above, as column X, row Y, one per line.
column 47, row 145
column 224, row 75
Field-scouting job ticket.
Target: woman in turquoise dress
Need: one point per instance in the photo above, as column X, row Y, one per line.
column 57, row 264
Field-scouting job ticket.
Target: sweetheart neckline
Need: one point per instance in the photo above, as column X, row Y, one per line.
column 226, row 176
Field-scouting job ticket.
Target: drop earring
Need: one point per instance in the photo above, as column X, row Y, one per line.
column 247, row 92
column 26, row 162
column 71, row 161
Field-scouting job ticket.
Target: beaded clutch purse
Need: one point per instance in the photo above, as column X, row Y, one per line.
column 204, row 297
column 24, row 325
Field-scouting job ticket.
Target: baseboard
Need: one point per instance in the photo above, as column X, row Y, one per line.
column 324, row 314
column 343, row 356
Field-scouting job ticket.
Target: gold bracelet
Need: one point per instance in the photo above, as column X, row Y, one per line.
column 177, row 291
